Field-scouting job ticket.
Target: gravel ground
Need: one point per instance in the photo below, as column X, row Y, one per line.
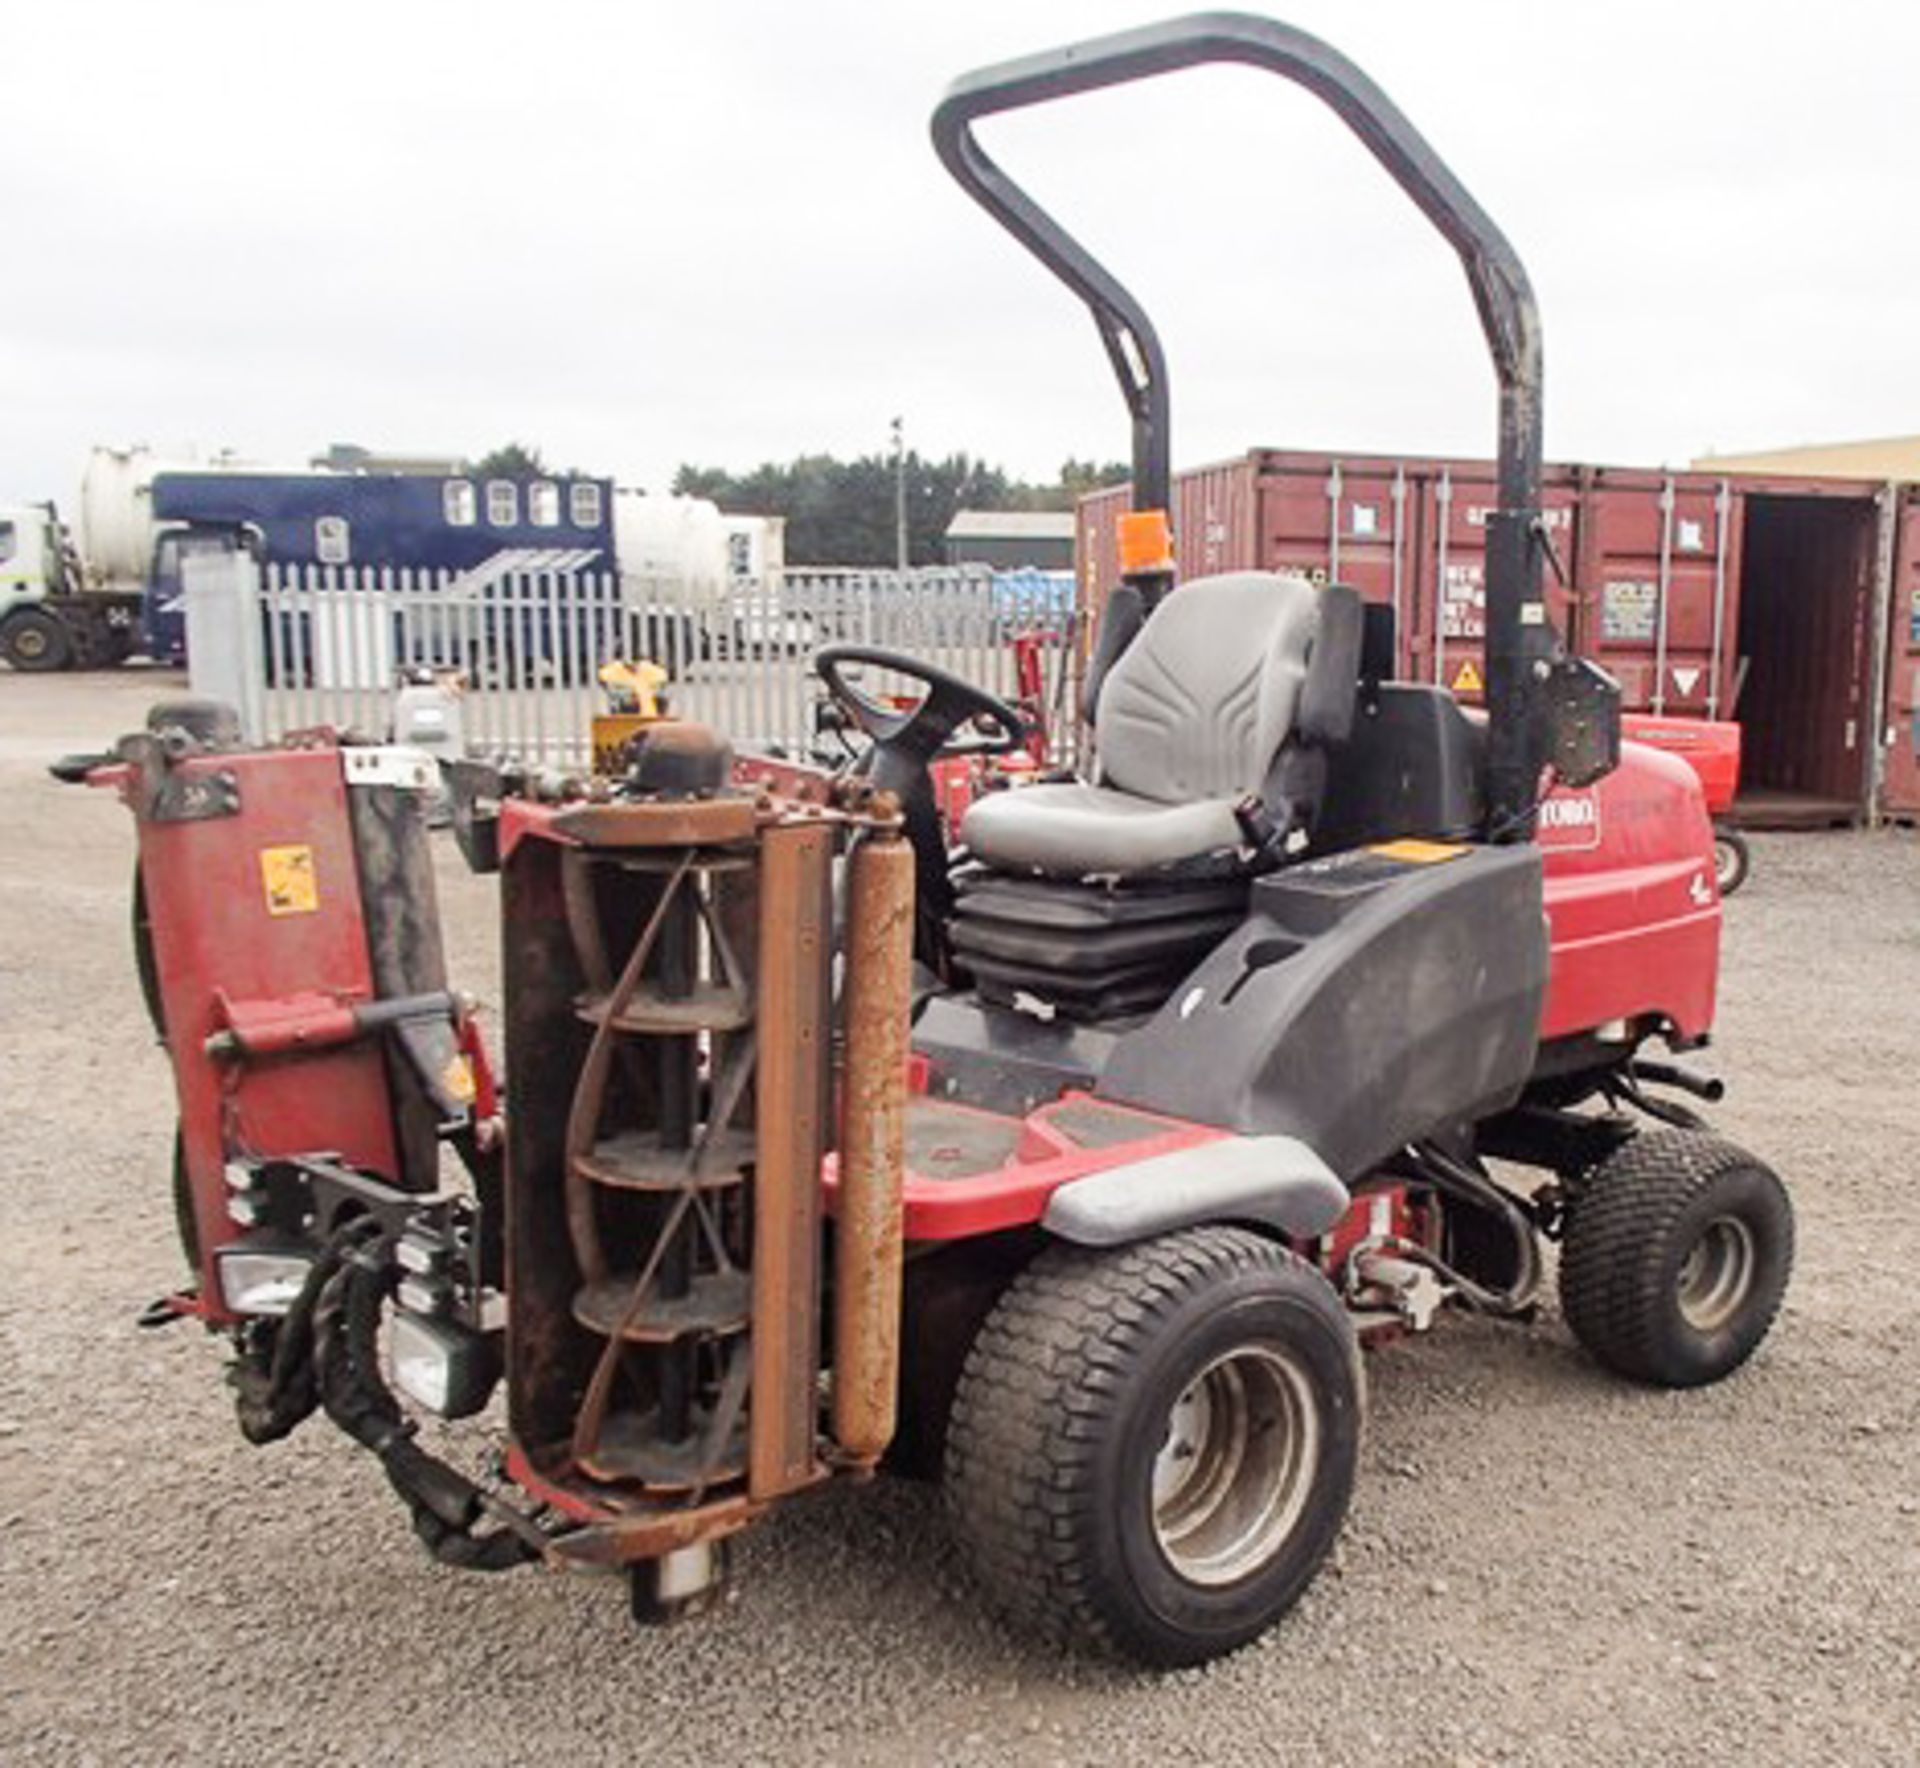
column 1542, row 1565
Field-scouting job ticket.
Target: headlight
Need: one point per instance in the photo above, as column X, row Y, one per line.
column 443, row 1367
column 260, row 1282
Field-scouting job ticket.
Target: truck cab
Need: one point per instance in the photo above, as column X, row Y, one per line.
column 46, row 623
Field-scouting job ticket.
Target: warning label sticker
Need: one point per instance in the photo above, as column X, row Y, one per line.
column 287, row 874
column 1466, row 679
column 1629, row 609
column 1463, row 603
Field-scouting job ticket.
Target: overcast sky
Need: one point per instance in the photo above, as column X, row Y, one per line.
column 644, row 233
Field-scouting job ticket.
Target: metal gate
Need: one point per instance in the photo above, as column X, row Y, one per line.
column 526, row 647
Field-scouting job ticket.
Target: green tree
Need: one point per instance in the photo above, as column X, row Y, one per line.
column 842, row 512
column 512, row 460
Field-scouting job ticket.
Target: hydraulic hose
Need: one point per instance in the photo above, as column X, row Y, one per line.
column 445, row 1505
column 1457, row 1178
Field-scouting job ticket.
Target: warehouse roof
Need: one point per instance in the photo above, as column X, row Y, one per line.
column 1011, row 525
column 1885, row 457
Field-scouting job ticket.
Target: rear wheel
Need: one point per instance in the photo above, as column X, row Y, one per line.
column 1152, row 1448
column 1678, row 1249
column 34, row 642
column 1731, row 860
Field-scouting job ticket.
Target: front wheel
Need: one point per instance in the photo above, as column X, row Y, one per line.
column 1677, row 1253
column 35, row 642
column 1152, row 1447
column 1731, row 860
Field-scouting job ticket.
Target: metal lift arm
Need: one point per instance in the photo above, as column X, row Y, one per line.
column 1522, row 647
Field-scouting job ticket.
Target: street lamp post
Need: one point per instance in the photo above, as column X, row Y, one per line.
column 900, row 493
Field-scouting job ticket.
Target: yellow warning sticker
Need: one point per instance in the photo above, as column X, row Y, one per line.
column 1418, row 853
column 287, row 873
column 457, row 1079
column 1467, row 680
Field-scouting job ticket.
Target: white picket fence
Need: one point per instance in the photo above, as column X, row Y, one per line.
column 527, row 647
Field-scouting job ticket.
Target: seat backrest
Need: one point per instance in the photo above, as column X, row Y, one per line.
column 1201, row 701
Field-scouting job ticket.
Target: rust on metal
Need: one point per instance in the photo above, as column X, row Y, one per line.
column 666, row 822
column 867, row 1220
column 624, row 1540
column 795, row 938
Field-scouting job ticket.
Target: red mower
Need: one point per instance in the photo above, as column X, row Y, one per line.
column 1074, row 1169
column 1711, row 747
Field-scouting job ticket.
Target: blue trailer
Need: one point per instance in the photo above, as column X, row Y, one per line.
column 481, row 529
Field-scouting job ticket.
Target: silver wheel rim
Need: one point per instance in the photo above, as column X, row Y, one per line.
column 1726, row 861
column 1231, row 1479
column 1717, row 1275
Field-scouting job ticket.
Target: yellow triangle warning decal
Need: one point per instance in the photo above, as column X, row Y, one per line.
column 1467, row 680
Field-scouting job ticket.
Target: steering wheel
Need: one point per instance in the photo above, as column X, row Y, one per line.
column 918, row 733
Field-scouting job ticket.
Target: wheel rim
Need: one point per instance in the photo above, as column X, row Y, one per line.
column 1232, row 1477
column 1718, row 1274
column 30, row 644
column 1726, row 862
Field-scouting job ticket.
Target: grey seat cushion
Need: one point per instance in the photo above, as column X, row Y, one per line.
column 1190, row 719
column 1080, row 830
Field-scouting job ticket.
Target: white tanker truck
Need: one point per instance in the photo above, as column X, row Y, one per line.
column 90, row 596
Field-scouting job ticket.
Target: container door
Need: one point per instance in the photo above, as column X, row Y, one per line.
column 1213, row 520
column 1656, row 576
column 1346, row 522
column 1807, row 571
column 1449, row 636
column 1900, row 760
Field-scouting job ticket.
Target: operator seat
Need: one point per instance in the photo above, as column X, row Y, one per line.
column 1094, row 899
column 1212, row 730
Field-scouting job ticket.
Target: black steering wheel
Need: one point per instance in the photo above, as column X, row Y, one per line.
column 918, row 733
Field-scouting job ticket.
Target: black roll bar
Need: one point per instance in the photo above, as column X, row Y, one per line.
column 1521, row 644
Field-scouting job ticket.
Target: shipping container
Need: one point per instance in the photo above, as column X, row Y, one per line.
column 1748, row 598
column 1899, row 670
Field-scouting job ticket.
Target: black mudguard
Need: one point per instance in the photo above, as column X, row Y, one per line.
column 1370, row 999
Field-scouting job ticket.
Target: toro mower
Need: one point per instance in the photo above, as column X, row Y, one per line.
column 1073, row 1167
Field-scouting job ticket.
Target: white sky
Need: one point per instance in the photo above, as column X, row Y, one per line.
column 650, row 232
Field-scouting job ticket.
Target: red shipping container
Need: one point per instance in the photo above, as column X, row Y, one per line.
column 1748, row 598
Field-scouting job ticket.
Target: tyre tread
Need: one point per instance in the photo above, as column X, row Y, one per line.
column 1610, row 1286
column 1038, row 1383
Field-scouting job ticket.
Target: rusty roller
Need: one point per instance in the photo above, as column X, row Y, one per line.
column 867, row 1230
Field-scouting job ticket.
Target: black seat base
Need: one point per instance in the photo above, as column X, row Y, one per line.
column 1088, row 950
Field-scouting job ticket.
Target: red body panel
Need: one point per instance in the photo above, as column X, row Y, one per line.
column 219, row 939
column 1631, row 900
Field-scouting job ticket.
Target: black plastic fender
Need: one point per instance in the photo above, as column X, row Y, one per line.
column 1275, row 1182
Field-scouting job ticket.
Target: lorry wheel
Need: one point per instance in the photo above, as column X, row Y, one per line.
column 1152, row 1447
column 1677, row 1253
column 1731, row 860
column 35, row 643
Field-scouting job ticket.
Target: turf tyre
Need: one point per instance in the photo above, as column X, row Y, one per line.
column 1065, row 1416
column 1731, row 860
column 1676, row 1258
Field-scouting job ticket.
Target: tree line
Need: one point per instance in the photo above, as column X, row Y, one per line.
column 842, row 512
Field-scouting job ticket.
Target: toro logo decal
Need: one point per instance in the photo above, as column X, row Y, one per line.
column 1569, row 821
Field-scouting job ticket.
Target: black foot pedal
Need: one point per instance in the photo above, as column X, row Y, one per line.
column 163, row 1310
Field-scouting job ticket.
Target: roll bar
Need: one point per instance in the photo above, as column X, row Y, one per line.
column 1521, row 645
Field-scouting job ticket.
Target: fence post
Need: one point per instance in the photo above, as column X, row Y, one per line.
column 224, row 661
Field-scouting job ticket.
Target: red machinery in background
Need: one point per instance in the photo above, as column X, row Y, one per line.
column 1711, row 747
